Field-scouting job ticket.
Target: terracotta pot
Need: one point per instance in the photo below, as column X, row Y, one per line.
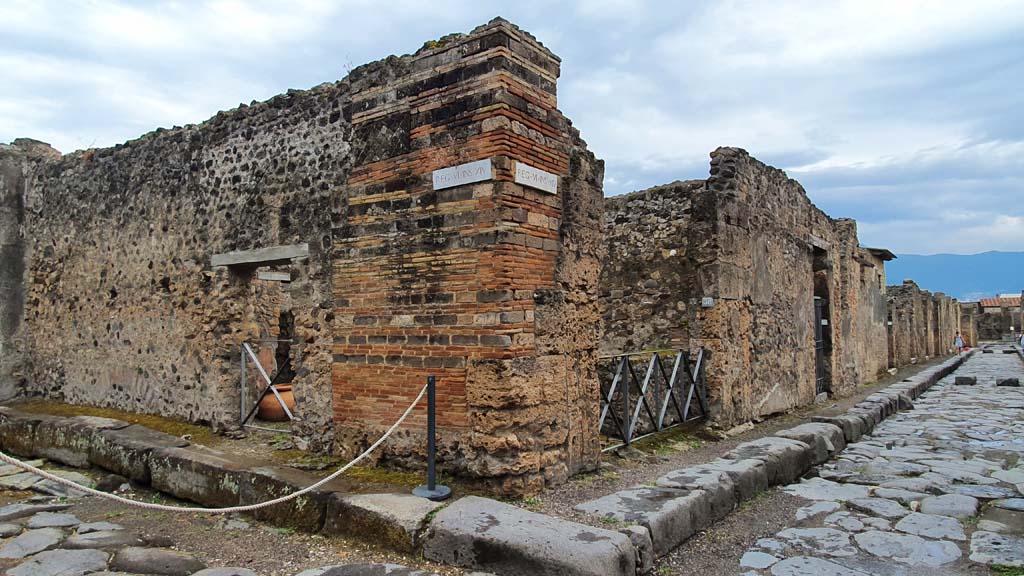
column 270, row 409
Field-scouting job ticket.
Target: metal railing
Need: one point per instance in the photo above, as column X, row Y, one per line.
column 247, row 356
column 632, row 407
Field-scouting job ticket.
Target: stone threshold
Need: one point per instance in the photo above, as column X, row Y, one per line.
column 215, row 478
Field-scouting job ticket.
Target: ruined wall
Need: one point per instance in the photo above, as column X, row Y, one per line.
column 923, row 325
column 491, row 286
column 994, row 326
column 969, row 312
column 649, row 292
column 750, row 239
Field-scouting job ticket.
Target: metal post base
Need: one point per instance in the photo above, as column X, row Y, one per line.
column 438, row 494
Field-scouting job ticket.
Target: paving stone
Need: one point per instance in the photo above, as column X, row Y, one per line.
column 844, row 520
column 1011, row 476
column 1016, row 504
column 931, row 526
column 31, row 542
column 907, row 548
column 365, row 570
column 902, row 496
column 52, row 520
column 7, row 530
column 981, row 492
column 62, row 563
column 21, row 481
column 392, row 519
column 825, row 439
column 822, row 507
column 806, row 565
column 15, row 511
column 481, row 533
column 225, row 572
column 749, row 477
column 156, row 561
column 820, row 489
column 955, row 505
column 914, row 485
column 822, row 541
column 57, row 489
column 88, row 527
column 879, row 507
column 758, row 560
column 670, row 515
column 995, row 549
column 103, row 539
column 717, row 484
column 641, row 540
column 11, row 469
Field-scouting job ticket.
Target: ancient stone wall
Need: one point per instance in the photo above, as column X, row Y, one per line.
column 750, row 239
column 969, row 312
column 489, row 285
column 923, row 325
column 994, row 326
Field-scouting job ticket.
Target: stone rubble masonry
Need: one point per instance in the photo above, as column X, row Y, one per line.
column 749, row 238
column 110, row 299
column 924, row 325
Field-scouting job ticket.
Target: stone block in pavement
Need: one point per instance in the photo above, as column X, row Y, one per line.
column 955, row 505
column 670, row 515
column 127, row 451
column 19, row 510
column 749, row 477
column 62, row 563
column 718, row 484
column 852, row 426
column 825, row 439
column 265, row 483
column 162, row 561
column 103, row 539
column 225, row 572
column 393, row 519
column 31, row 542
column 363, row 570
column 1012, row 382
column 994, row 549
column 18, row 431
column 786, row 459
column 965, row 381
column 68, row 440
column 199, row 474
column 485, row 534
column 641, row 539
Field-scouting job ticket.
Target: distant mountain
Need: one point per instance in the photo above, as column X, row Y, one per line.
column 964, row 277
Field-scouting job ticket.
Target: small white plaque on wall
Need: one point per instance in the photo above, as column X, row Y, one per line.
column 536, row 178
column 469, row 173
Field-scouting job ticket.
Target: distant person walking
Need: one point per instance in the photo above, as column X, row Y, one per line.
column 959, row 343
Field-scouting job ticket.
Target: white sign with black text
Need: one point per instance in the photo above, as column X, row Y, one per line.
column 536, row 178
column 478, row 171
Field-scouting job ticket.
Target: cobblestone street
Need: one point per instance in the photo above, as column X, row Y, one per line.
column 934, row 490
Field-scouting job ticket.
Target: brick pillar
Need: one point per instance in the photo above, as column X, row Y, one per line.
column 490, row 285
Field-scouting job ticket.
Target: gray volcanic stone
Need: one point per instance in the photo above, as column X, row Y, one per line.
column 821, row 541
column 485, row 534
column 806, row 565
column 365, row 570
column 225, row 572
column 641, row 540
column 820, row 507
column 62, row 563
column 758, row 560
column 1013, row 382
column 981, row 492
column 824, row 439
column 8, row 530
column 965, row 381
column 11, row 469
column 931, row 526
column 902, row 496
column 15, row 511
column 97, row 526
column 1016, row 504
column 52, row 520
column 670, row 515
column 879, row 507
column 31, row 542
column 955, row 505
column 749, row 477
column 914, row 485
column 22, row 481
column 821, row 489
column 907, row 548
column 718, row 484
column 127, row 451
column 997, row 549
column 103, row 539
column 156, row 561
column 786, row 459
column 393, row 519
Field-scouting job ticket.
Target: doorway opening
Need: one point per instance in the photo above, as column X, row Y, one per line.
column 822, row 324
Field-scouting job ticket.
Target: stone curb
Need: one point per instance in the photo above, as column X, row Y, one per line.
column 214, row 478
column 691, row 499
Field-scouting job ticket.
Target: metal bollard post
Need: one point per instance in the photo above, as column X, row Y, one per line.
column 432, row 490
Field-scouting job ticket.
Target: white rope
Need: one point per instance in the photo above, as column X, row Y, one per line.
column 151, row 506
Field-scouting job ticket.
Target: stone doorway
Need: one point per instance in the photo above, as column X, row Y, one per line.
column 822, row 324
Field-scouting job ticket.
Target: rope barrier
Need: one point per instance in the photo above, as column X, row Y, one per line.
column 233, row 509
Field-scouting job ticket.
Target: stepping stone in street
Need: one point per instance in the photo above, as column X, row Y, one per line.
column 97, row 526
column 156, row 561
column 997, row 549
column 1015, row 504
column 15, row 511
column 1013, row 382
column 31, row 542
column 907, row 548
column 879, row 507
column 52, row 520
column 62, row 563
column 931, row 526
column 103, row 539
column 965, row 381
column 955, row 505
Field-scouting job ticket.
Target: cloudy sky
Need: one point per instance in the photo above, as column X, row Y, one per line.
column 908, row 116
